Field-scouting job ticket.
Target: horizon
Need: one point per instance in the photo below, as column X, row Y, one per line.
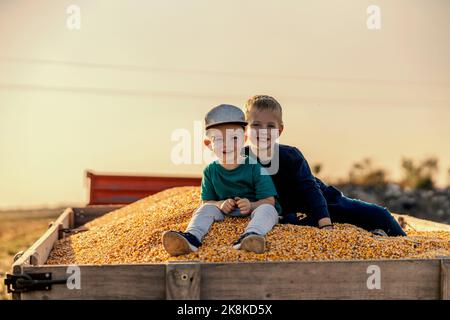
column 109, row 96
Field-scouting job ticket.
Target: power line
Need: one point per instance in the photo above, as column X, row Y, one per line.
column 220, row 73
column 215, row 96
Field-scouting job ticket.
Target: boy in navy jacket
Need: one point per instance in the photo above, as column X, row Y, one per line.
column 297, row 188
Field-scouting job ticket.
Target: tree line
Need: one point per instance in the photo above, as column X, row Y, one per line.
column 416, row 174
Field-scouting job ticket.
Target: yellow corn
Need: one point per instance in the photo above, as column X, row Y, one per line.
column 132, row 234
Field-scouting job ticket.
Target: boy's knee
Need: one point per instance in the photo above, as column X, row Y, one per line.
column 210, row 210
column 385, row 213
column 388, row 223
column 266, row 209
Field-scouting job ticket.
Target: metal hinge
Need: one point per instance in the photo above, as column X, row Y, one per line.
column 18, row 283
column 62, row 233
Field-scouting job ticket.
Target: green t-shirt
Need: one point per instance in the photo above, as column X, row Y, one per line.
column 245, row 181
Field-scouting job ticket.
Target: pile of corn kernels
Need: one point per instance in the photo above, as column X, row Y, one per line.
column 132, row 234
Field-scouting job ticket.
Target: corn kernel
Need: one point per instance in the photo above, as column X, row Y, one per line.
column 132, row 234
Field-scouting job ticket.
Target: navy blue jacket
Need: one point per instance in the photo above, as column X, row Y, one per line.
column 298, row 190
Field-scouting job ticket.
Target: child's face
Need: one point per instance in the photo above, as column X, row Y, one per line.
column 263, row 129
column 226, row 141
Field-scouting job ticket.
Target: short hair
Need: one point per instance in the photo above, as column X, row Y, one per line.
column 263, row 102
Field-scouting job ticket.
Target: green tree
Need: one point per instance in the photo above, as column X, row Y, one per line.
column 317, row 168
column 420, row 175
column 364, row 173
column 448, row 177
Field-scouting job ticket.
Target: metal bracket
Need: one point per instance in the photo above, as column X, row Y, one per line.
column 31, row 282
column 63, row 232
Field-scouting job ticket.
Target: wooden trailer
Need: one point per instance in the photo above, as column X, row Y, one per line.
column 31, row 278
column 105, row 189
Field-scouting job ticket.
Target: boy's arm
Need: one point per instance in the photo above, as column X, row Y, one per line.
column 311, row 192
column 325, row 223
column 256, row 204
column 265, row 190
column 216, row 203
column 225, row 206
column 208, row 192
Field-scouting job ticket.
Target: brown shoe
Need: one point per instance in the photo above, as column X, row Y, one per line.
column 179, row 243
column 251, row 242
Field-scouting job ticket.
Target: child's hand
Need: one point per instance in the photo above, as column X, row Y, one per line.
column 325, row 223
column 244, row 205
column 227, row 206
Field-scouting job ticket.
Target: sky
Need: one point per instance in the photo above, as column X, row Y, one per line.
column 109, row 96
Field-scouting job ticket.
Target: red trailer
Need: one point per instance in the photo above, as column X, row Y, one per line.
column 124, row 189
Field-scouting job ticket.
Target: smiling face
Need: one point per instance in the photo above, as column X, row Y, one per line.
column 226, row 141
column 264, row 128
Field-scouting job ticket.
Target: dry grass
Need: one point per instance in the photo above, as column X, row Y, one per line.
column 18, row 231
column 133, row 235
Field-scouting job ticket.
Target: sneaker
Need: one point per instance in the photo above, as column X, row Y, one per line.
column 252, row 242
column 179, row 243
column 379, row 232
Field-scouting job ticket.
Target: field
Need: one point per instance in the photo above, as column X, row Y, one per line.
column 18, row 230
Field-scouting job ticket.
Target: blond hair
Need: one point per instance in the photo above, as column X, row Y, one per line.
column 263, row 102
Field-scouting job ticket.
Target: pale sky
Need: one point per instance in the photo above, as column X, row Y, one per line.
column 108, row 96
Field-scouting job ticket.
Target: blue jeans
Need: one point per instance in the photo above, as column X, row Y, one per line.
column 362, row 214
column 263, row 219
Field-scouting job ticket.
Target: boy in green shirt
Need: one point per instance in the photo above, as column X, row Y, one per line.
column 233, row 185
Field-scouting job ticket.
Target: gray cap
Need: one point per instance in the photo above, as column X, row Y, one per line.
column 224, row 113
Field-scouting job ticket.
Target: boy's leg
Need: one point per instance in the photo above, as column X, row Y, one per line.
column 202, row 220
column 291, row 218
column 363, row 214
column 263, row 219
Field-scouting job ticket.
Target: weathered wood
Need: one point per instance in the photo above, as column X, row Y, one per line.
column 422, row 224
column 400, row 279
column 183, row 281
column 138, row 281
column 89, row 213
column 445, row 279
column 38, row 253
column 63, row 221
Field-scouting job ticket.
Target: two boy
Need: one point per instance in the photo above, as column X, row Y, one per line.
column 231, row 186
column 264, row 178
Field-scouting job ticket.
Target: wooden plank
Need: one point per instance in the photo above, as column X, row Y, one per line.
column 137, row 281
column 421, row 224
column 65, row 219
column 38, row 253
column 89, row 213
column 400, row 279
column 183, row 280
column 445, row 279
column 64, row 222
